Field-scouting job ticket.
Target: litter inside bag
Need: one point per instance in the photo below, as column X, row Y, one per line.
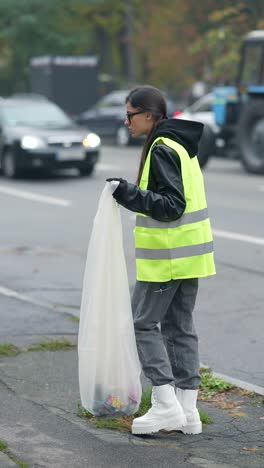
column 112, row 405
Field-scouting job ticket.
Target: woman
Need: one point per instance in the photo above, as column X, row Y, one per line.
column 174, row 247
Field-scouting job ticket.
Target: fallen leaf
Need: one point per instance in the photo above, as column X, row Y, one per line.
column 237, row 414
column 246, row 392
column 227, row 404
column 250, row 449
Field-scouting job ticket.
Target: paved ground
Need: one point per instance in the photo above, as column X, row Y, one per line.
column 43, row 251
column 38, row 420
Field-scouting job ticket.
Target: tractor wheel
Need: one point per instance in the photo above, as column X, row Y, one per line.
column 250, row 137
column 206, row 146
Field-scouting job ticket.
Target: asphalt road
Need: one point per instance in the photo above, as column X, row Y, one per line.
column 45, row 228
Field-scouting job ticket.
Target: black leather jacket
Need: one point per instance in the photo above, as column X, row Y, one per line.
column 164, row 198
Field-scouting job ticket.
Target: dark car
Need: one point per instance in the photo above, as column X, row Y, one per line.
column 37, row 134
column 107, row 118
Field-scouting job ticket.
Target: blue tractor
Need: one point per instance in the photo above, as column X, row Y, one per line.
column 239, row 109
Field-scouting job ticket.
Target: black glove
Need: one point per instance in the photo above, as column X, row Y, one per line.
column 115, row 182
column 119, row 179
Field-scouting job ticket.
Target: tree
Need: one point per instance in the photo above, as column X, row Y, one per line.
column 221, row 42
column 30, row 28
column 170, row 44
column 164, row 36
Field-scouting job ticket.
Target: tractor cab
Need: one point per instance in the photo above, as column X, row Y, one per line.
column 251, row 69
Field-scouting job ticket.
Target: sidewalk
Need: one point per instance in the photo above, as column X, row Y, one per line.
column 38, row 421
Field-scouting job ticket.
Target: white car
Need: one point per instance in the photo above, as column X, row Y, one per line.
column 201, row 111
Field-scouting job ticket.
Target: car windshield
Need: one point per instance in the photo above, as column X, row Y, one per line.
column 33, row 114
column 204, row 104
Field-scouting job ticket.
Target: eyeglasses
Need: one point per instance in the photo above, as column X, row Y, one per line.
column 129, row 115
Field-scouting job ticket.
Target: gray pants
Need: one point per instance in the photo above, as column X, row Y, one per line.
column 166, row 339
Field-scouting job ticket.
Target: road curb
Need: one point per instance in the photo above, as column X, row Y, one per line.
column 238, row 383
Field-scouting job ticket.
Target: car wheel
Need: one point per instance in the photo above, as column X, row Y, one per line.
column 206, row 146
column 122, row 136
column 86, row 171
column 250, row 137
column 9, row 165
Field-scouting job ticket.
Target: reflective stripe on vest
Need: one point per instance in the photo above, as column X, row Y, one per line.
column 187, row 218
column 182, row 248
column 178, row 252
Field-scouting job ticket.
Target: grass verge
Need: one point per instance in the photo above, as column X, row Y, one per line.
column 211, row 386
column 124, row 424
column 3, row 445
column 205, row 418
column 74, row 318
column 4, row 449
column 53, row 345
column 8, row 349
column 121, row 424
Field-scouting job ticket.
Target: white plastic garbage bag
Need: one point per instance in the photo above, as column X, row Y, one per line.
column 109, row 368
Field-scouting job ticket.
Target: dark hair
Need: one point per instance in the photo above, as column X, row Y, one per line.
column 148, row 99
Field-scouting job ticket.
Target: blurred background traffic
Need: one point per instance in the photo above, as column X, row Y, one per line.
column 83, row 56
column 65, row 69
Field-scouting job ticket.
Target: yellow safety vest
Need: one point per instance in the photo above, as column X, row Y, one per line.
column 181, row 248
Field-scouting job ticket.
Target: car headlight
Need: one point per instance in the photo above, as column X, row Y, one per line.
column 91, row 140
column 32, row 142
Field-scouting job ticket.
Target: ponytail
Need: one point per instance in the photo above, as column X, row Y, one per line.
column 145, row 150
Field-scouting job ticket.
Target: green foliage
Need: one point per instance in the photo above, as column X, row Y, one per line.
column 4, row 449
column 205, row 418
column 114, row 424
column 173, row 43
column 145, row 403
column 8, row 349
column 3, row 445
column 32, row 27
column 83, row 413
column 74, row 318
column 211, row 385
column 221, row 42
column 54, row 345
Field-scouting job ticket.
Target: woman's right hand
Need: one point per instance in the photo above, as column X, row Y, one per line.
column 114, row 182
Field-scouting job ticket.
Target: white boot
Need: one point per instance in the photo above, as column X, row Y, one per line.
column 188, row 399
column 166, row 413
